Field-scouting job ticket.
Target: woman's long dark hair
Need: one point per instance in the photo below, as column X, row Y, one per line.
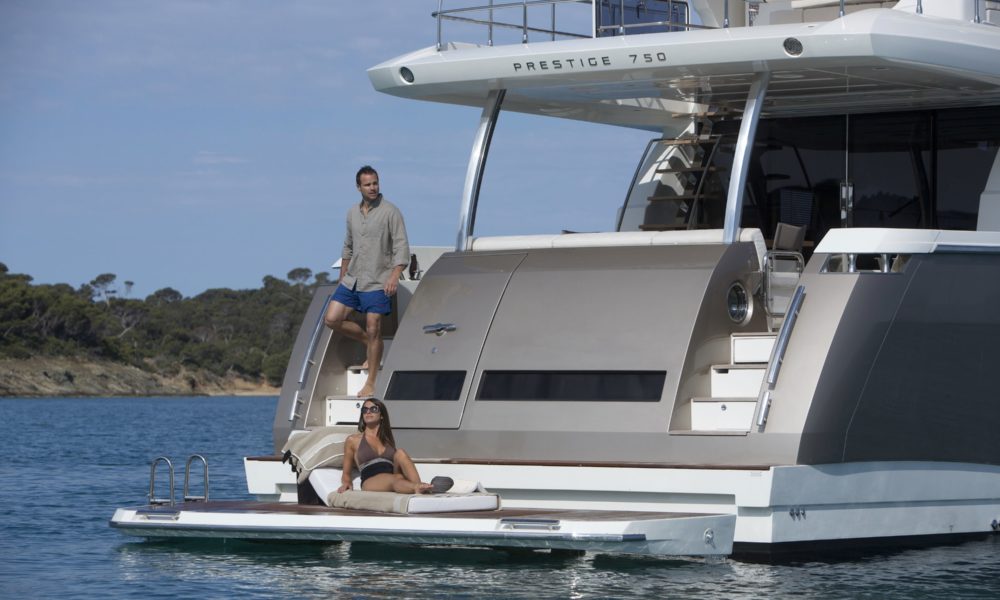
column 384, row 428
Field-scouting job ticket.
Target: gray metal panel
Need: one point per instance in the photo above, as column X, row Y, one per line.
column 594, row 309
column 626, row 308
column 459, row 289
column 910, row 373
column 931, row 392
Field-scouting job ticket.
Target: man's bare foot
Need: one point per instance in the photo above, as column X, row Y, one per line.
column 367, row 391
column 423, row 488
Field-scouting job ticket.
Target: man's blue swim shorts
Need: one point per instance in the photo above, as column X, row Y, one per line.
column 364, row 302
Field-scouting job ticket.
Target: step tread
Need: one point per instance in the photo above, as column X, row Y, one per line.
column 761, row 366
column 724, row 399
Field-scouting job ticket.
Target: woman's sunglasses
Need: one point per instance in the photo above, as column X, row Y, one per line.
column 370, row 409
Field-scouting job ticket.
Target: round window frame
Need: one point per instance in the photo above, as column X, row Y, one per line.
column 739, row 287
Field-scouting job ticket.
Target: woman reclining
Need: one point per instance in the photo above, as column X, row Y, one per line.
column 384, row 468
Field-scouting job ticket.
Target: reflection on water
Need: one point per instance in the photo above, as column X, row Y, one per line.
column 379, row 570
column 73, row 461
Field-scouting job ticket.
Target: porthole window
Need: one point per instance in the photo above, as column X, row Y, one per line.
column 738, row 303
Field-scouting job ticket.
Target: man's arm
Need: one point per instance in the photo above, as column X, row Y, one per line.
column 344, row 263
column 348, row 250
column 400, row 251
column 392, row 284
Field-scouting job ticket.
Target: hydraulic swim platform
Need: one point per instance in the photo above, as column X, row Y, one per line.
column 617, row 532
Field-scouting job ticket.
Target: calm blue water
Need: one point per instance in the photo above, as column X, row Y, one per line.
column 68, row 463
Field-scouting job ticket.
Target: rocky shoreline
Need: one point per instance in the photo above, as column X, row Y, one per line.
column 64, row 376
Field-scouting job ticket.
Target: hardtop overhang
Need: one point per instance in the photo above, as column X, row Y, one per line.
column 869, row 61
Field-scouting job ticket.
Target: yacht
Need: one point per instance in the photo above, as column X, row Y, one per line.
column 784, row 340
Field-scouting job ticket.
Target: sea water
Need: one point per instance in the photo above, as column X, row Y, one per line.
column 69, row 462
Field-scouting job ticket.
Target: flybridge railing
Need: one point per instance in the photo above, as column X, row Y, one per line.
column 484, row 15
column 606, row 17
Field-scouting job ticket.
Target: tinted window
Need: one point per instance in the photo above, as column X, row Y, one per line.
column 635, row 386
column 425, row 385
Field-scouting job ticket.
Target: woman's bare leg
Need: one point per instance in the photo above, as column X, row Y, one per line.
column 394, row 482
column 409, row 479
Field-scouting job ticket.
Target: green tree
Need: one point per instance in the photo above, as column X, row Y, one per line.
column 299, row 276
column 102, row 285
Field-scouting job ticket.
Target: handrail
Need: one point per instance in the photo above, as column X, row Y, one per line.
column 778, row 356
column 452, row 14
column 307, row 358
column 151, row 496
column 461, row 14
column 187, row 477
column 456, row 14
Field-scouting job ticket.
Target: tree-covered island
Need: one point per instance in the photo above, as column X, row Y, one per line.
column 98, row 340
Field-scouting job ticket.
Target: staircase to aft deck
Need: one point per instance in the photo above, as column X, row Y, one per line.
column 735, row 387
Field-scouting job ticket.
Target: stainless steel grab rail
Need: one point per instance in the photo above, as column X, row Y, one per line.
column 187, row 496
column 307, row 359
column 778, row 356
column 151, row 496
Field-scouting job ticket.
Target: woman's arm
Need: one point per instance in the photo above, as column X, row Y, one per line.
column 350, row 447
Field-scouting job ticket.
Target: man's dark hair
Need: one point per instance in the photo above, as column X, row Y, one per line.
column 365, row 170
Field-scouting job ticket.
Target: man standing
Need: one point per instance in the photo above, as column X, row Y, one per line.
column 375, row 253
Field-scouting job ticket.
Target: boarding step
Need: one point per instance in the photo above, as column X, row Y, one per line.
column 343, row 410
column 737, row 380
column 722, row 414
column 749, row 348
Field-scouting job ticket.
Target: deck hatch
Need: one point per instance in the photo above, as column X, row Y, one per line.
column 425, row 385
column 586, row 386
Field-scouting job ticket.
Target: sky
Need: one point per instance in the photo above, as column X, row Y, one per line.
column 200, row 144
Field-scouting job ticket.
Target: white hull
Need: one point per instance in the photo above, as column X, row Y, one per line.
column 779, row 505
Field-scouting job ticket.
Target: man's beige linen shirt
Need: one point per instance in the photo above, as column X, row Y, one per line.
column 374, row 244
